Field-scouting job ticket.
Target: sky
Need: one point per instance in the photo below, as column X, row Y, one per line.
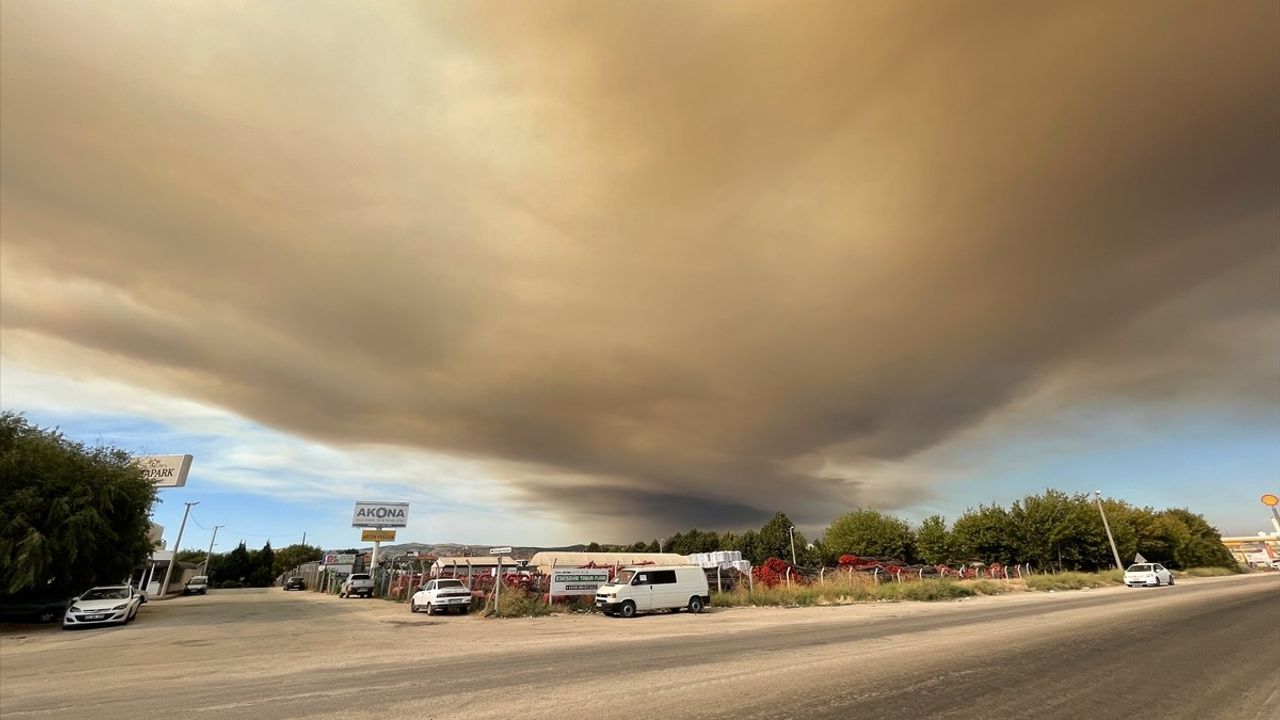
column 566, row 272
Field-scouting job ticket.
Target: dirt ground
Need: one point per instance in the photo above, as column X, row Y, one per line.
column 269, row 653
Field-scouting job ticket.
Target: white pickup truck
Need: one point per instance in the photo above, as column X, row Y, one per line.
column 357, row 584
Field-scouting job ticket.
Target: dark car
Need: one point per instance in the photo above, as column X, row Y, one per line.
column 295, row 583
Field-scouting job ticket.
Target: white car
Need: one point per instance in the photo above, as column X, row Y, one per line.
column 103, row 605
column 441, row 596
column 1147, row 575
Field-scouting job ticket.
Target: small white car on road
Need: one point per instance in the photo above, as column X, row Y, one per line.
column 104, row 605
column 442, row 595
column 1147, row 575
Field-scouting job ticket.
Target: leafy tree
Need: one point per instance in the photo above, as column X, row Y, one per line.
column 190, row 555
column 1201, row 546
column 594, row 547
column 870, row 533
column 933, row 542
column 235, row 565
column 1057, row 530
column 774, row 540
column 984, row 534
column 70, row 516
column 263, row 572
column 292, row 556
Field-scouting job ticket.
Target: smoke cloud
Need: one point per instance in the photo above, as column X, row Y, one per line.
column 667, row 262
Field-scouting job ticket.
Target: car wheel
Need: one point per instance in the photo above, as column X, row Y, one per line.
column 695, row 604
column 413, row 606
column 1170, row 581
column 431, row 609
column 627, row 610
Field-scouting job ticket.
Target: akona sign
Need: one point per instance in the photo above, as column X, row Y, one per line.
column 380, row 514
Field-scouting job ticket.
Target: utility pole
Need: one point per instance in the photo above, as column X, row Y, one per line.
column 304, row 537
column 792, row 532
column 209, row 555
column 1114, row 552
column 177, row 545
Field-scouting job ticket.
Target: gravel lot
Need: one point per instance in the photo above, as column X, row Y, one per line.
column 268, row 653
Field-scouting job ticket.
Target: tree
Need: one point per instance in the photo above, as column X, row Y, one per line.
column 70, row 516
column 262, row 572
column 933, row 542
column 235, row 565
column 189, row 555
column 984, row 534
column 1201, row 545
column 290, row 557
column 869, row 533
column 1057, row 530
column 594, row 547
column 774, row 540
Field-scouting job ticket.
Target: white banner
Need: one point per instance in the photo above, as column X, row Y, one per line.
column 380, row 514
column 578, row 581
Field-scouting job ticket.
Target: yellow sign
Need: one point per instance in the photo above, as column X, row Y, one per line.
column 377, row 535
column 1270, row 500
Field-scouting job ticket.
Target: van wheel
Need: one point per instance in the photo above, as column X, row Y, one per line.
column 628, row 609
column 695, row 604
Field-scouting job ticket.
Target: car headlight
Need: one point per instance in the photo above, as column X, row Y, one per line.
column 121, row 606
column 75, row 609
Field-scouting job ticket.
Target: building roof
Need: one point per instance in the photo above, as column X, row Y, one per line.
column 545, row 560
column 475, row 561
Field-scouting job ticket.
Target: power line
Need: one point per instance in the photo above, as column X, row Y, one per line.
column 252, row 535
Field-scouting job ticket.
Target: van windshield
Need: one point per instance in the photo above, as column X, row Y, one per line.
column 623, row 577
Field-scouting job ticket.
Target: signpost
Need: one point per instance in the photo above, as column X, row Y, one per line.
column 377, row 535
column 497, row 578
column 1271, row 501
column 379, row 515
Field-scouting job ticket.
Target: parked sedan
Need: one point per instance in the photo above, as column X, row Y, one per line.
column 1147, row 574
column 295, row 583
column 104, row 605
column 441, row 596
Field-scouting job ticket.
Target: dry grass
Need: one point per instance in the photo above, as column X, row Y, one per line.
column 848, row 589
column 1211, row 572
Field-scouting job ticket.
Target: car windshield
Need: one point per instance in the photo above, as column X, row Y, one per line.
column 359, row 577
column 198, row 580
column 295, row 579
column 442, row 584
column 1139, row 568
column 624, row 577
column 106, row 594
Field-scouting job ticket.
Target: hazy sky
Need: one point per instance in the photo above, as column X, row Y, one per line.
column 573, row 271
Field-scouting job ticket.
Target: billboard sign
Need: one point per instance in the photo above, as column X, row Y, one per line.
column 339, row 559
column 377, row 535
column 578, row 581
column 380, row 514
column 165, row 470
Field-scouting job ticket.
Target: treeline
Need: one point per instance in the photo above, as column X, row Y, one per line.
column 1050, row 530
column 242, row 567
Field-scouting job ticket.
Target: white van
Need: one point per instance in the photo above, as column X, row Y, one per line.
column 654, row 587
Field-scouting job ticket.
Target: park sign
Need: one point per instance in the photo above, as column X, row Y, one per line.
column 577, row 581
column 165, row 471
column 380, row 514
column 377, row 535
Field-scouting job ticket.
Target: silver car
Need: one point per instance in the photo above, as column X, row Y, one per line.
column 1147, row 575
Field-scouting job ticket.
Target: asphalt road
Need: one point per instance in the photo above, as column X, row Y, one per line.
column 1201, row 649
